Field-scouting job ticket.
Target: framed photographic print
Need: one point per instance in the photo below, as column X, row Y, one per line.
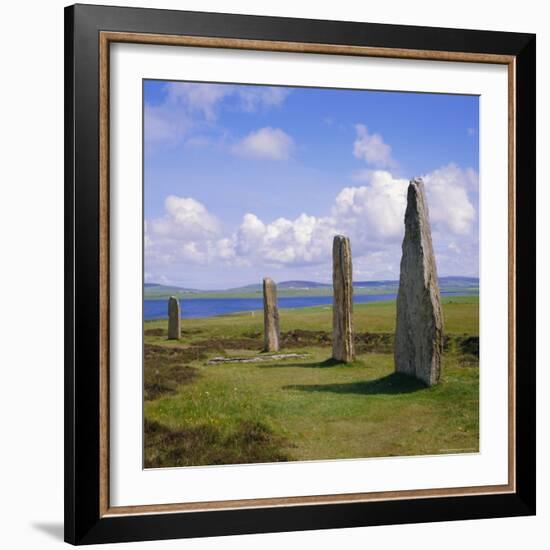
column 300, row 278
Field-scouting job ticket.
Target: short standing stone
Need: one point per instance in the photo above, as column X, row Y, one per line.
column 272, row 335
column 174, row 319
column 419, row 325
column 342, row 309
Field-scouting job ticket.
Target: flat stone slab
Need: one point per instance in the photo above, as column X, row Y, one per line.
column 257, row 358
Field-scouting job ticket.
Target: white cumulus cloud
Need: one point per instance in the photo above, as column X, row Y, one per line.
column 162, row 125
column 371, row 148
column 303, row 240
column 186, row 231
column 189, row 107
column 267, row 143
column 374, row 211
column 370, row 213
column 197, row 97
column 449, row 204
column 205, row 98
column 184, row 217
column 253, row 99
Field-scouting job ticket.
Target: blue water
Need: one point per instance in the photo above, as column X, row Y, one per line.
column 208, row 307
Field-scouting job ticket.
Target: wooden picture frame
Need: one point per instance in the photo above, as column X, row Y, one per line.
column 89, row 32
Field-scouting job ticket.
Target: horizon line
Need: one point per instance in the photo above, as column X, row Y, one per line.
column 174, row 285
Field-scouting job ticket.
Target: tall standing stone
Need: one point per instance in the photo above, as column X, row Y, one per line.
column 342, row 308
column 271, row 316
column 174, row 319
column 419, row 326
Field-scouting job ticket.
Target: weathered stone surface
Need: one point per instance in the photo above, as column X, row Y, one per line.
column 272, row 334
column 419, row 325
column 174, row 319
column 256, row 358
column 342, row 308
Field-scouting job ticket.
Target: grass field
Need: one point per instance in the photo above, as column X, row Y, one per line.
column 307, row 408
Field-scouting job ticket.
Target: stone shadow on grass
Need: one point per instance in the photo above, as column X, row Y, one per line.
column 313, row 364
column 392, row 384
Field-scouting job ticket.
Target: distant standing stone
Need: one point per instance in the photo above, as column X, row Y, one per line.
column 174, row 319
column 342, row 309
column 419, row 325
column 272, row 335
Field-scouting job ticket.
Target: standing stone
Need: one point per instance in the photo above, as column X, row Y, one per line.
column 342, row 308
column 419, row 326
column 174, row 319
column 271, row 316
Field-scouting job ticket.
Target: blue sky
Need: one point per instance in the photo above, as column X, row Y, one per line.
column 246, row 181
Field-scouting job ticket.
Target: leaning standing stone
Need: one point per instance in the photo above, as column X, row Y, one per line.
column 174, row 316
column 271, row 316
column 342, row 308
column 419, row 325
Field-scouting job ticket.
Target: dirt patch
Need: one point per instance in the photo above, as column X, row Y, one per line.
column 191, row 331
column 462, row 345
column 154, row 390
column 382, row 342
column 248, row 442
column 165, row 369
column 221, row 344
column 253, row 334
column 364, row 342
column 155, row 332
column 164, row 332
column 172, row 355
column 469, row 346
column 302, row 338
column 374, row 342
column 468, row 361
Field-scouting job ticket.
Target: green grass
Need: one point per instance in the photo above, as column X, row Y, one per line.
column 310, row 408
column 461, row 317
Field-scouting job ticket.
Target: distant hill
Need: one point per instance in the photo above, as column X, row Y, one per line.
column 374, row 283
column 302, row 284
column 154, row 291
column 465, row 281
column 299, row 285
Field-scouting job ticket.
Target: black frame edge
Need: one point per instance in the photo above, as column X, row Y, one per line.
column 262, row 27
column 69, row 508
column 82, row 522
column 526, row 274
column 81, row 274
column 302, row 518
